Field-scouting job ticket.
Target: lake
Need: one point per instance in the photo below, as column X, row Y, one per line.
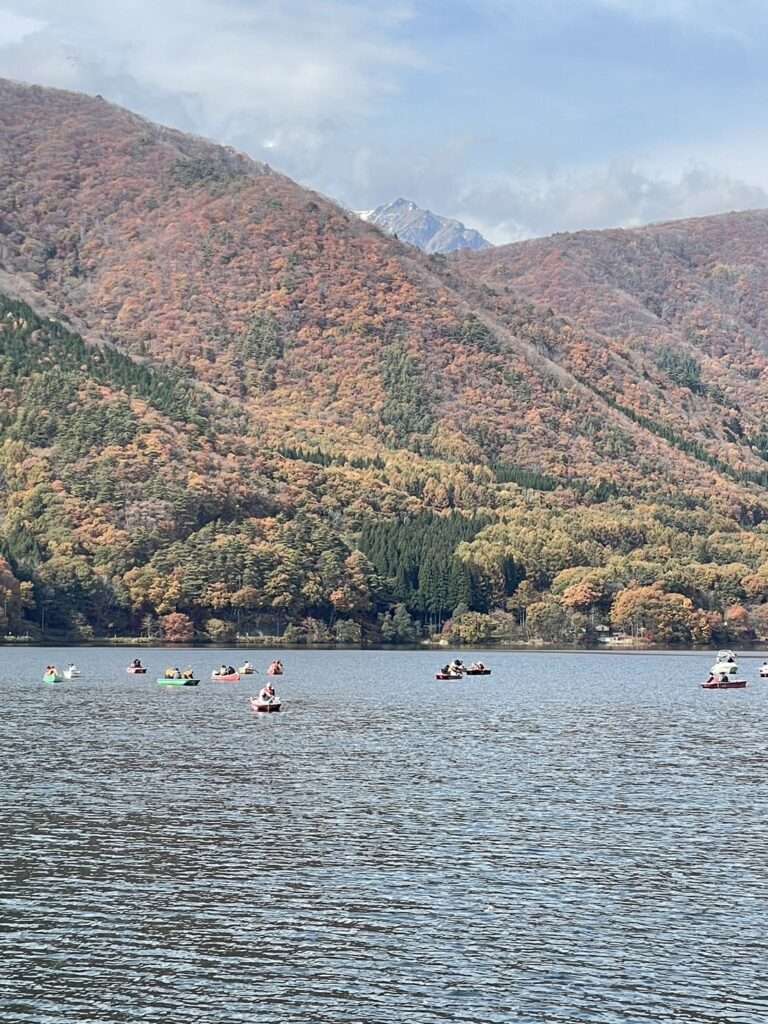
column 578, row 838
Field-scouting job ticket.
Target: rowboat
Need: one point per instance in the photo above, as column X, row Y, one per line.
column 52, row 677
column 246, row 670
column 177, row 682
column 133, row 671
column 724, row 684
column 264, row 707
column 448, row 675
column 232, row 677
column 477, row 671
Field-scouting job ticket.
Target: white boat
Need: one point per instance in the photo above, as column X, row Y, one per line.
column 764, row 670
column 725, row 664
column 73, row 672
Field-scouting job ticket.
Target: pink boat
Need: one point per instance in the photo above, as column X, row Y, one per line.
column 232, row 677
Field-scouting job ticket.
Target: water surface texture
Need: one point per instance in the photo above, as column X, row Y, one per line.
column 578, row 838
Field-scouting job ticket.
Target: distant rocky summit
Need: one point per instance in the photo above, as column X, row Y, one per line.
column 426, row 230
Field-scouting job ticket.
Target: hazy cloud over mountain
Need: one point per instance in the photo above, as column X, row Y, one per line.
column 518, row 117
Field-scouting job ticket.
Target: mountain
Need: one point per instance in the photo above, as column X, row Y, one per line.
column 424, row 229
column 667, row 320
column 230, row 406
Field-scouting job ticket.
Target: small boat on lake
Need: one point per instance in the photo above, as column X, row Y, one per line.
column 477, row 668
column 52, row 675
column 722, row 675
column 180, row 681
column 454, row 670
column 136, row 668
column 247, row 669
column 262, row 707
column 225, row 677
column 72, row 672
column 725, row 664
column 275, row 669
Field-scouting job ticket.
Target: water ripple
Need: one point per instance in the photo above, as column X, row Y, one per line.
column 579, row 839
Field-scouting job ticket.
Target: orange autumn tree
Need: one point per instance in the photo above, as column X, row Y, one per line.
column 663, row 617
column 177, row 628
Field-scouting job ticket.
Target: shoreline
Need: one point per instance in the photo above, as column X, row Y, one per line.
column 754, row 650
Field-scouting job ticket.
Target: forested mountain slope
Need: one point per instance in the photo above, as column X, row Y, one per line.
column 668, row 320
column 230, row 402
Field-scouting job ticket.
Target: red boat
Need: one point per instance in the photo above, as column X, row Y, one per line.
column 132, row 670
column 264, row 707
column 724, row 684
column 232, row 677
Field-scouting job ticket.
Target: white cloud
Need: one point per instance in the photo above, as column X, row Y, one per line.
column 222, row 66
column 506, row 209
column 14, row 27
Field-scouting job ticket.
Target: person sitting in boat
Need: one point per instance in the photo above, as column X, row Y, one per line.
column 457, row 664
column 187, row 674
column 222, row 671
column 136, row 663
column 168, row 674
column 247, row 667
column 176, row 673
column 267, row 694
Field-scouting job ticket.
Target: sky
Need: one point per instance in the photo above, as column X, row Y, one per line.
column 519, row 117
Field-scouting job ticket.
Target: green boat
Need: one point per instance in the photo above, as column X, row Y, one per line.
column 177, row 682
column 52, row 677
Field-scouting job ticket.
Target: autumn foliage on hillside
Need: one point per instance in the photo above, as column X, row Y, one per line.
column 669, row 322
column 230, row 406
column 177, row 249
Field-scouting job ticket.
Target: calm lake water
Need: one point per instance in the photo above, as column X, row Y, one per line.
column 578, row 838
